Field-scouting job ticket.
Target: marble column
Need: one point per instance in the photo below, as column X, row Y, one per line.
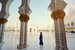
column 1, row 32
column 4, row 14
column 23, row 31
column 24, row 12
column 21, row 43
column 2, row 25
column 25, row 35
column 58, row 17
column 56, row 33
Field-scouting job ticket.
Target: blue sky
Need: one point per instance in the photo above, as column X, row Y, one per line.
column 39, row 13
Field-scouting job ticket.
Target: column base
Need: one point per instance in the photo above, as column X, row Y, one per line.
column 61, row 48
column 24, row 46
column 21, row 46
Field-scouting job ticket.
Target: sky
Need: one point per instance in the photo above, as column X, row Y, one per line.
column 40, row 14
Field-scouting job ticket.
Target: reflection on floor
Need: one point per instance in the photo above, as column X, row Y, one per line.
column 11, row 40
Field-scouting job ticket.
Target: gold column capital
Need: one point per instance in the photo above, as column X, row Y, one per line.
column 24, row 18
column 58, row 14
column 3, row 20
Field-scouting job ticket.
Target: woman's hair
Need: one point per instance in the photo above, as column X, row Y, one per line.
column 40, row 33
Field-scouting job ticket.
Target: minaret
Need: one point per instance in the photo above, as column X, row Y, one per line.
column 57, row 7
column 4, row 14
column 24, row 12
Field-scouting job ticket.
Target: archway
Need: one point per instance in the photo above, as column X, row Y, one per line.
column 22, row 15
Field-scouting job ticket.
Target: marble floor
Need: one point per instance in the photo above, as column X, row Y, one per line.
column 11, row 40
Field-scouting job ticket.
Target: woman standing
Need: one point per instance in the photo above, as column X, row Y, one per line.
column 41, row 39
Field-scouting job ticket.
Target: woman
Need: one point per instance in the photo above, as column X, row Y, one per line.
column 41, row 39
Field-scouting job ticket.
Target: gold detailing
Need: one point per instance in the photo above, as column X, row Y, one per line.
column 58, row 14
column 24, row 18
column 3, row 20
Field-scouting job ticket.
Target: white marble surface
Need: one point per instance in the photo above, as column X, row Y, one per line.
column 11, row 40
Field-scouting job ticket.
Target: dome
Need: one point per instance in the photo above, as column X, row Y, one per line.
column 72, row 9
column 71, row 16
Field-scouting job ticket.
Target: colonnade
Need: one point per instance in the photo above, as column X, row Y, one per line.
column 57, row 15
